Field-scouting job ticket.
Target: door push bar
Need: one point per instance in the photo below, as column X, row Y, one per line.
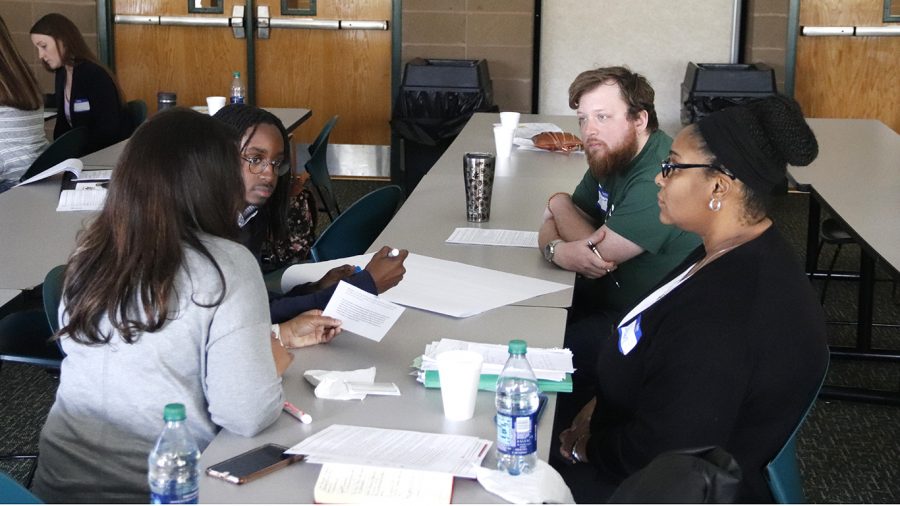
column 850, row 31
column 264, row 23
column 236, row 21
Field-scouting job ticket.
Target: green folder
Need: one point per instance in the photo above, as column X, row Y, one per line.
column 489, row 382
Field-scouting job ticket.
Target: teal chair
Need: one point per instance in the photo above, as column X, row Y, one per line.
column 11, row 492
column 52, row 294
column 317, row 166
column 353, row 232
column 782, row 472
column 137, row 112
column 69, row 145
column 25, row 335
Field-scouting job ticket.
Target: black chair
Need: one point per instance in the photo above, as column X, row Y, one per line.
column 831, row 232
column 137, row 112
column 353, row 232
column 317, row 166
column 69, row 145
column 25, row 338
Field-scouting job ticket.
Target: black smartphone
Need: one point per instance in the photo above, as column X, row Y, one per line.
column 252, row 464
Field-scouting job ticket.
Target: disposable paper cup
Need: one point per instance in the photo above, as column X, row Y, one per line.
column 503, row 138
column 214, row 104
column 460, row 371
column 510, row 119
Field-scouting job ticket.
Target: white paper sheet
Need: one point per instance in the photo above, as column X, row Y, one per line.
column 440, row 286
column 72, row 165
column 547, row 363
column 361, row 312
column 349, row 444
column 89, row 198
column 494, row 237
column 95, row 175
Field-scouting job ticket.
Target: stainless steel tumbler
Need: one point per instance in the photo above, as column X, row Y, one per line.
column 478, row 173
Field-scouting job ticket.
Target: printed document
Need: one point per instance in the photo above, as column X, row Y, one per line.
column 370, row 446
column 361, row 312
column 85, row 197
column 547, row 363
column 440, row 286
column 350, row 484
column 494, row 237
column 72, row 165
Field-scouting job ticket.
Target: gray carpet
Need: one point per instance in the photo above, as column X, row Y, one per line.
column 849, row 452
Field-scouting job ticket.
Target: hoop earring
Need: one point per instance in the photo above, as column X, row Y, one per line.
column 715, row 204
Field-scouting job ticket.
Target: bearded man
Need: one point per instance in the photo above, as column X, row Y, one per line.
column 608, row 230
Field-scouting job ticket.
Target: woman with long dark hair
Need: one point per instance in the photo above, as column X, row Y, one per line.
column 161, row 304
column 21, row 113
column 87, row 93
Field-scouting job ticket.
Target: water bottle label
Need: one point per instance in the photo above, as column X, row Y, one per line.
column 175, row 498
column 516, row 434
column 237, row 100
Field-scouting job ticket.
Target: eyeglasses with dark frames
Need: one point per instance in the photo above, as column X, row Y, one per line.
column 258, row 164
column 667, row 167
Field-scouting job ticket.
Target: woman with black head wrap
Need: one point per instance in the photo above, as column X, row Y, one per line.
column 730, row 348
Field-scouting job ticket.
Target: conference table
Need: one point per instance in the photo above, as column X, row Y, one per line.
column 521, row 187
column 856, row 178
column 37, row 238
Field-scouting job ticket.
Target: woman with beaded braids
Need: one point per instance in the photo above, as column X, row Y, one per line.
column 730, row 348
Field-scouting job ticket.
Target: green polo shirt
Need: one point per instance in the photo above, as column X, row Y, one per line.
column 626, row 203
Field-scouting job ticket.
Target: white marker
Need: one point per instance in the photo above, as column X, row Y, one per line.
column 394, row 253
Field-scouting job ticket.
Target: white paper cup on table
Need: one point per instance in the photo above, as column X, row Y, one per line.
column 460, row 371
column 510, row 119
column 503, row 139
column 213, row 104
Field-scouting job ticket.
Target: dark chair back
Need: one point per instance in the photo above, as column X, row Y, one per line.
column 782, row 472
column 137, row 112
column 69, row 145
column 353, row 232
column 317, row 166
column 52, row 294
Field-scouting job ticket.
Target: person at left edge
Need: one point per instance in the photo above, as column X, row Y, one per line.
column 86, row 92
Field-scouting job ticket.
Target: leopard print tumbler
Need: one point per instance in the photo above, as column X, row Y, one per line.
column 478, row 172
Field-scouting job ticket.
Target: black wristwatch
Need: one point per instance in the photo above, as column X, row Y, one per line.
column 550, row 250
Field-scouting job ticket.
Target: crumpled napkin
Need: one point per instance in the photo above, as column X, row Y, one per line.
column 332, row 384
column 544, row 485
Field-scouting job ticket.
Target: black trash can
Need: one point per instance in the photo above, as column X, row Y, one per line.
column 435, row 102
column 709, row 87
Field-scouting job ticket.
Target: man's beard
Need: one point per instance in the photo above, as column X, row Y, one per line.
column 613, row 161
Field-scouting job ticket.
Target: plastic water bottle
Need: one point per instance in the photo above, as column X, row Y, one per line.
column 237, row 89
column 173, row 465
column 517, row 401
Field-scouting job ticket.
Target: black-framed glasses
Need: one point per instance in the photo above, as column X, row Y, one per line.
column 258, row 164
column 667, row 167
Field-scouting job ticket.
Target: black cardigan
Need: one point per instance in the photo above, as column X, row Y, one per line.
column 106, row 120
column 731, row 358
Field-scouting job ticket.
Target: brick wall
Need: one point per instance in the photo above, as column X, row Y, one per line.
column 765, row 38
column 500, row 31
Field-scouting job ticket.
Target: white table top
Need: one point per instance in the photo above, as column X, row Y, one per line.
column 522, row 185
column 8, row 294
column 417, row 408
column 857, row 173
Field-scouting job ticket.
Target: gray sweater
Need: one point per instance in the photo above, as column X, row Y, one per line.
column 22, row 139
column 217, row 361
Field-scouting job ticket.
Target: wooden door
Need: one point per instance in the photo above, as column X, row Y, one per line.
column 194, row 62
column 345, row 72
column 848, row 76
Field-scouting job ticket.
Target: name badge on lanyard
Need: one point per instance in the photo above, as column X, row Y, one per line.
column 602, row 198
column 630, row 335
column 81, row 105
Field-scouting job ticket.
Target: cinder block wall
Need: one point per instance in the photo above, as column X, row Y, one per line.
column 499, row 31
column 765, row 38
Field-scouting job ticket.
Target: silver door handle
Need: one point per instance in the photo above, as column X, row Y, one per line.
column 850, row 31
column 328, row 24
column 236, row 21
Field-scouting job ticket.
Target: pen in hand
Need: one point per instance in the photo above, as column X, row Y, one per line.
column 594, row 249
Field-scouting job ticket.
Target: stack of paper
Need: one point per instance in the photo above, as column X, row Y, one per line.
column 553, row 367
column 404, row 449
